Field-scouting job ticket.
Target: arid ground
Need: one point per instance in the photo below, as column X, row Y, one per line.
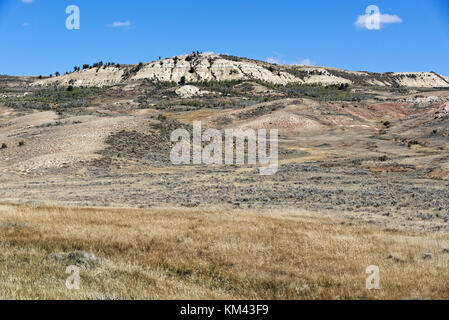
column 363, row 180
column 216, row 253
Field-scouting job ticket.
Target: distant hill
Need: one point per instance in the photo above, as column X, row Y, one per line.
column 198, row 67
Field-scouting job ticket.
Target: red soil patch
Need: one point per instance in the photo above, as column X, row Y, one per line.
column 392, row 110
column 438, row 174
column 387, row 169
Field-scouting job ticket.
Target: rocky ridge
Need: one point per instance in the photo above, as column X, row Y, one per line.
column 196, row 67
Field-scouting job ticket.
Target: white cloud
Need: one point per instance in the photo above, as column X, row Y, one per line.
column 305, row 62
column 273, row 60
column 376, row 20
column 25, row 24
column 120, row 24
column 282, row 61
column 27, row 1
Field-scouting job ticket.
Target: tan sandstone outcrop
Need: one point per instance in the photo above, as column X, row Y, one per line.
column 196, row 68
column 419, row 79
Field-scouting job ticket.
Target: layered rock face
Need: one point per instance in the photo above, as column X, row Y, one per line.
column 209, row 68
column 196, row 68
column 420, row 80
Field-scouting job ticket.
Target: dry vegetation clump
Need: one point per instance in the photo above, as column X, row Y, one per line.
column 167, row 253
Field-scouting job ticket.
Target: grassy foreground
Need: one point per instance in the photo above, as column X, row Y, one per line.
column 212, row 254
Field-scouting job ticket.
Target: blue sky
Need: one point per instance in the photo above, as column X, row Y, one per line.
column 34, row 39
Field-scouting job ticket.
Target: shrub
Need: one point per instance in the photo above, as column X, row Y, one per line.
column 4, row 146
column 21, row 143
column 134, row 70
column 343, row 86
column 70, row 88
column 182, row 81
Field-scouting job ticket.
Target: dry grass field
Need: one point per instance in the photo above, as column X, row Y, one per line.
column 195, row 253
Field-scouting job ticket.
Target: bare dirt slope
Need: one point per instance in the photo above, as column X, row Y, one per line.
column 378, row 153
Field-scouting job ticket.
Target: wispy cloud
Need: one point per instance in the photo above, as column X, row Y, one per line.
column 120, row 24
column 25, row 24
column 376, row 20
column 27, row 1
column 273, row 60
column 281, row 60
column 305, row 62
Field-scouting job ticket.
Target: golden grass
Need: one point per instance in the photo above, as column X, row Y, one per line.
column 213, row 254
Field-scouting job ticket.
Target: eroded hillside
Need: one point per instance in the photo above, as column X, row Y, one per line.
column 198, row 67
